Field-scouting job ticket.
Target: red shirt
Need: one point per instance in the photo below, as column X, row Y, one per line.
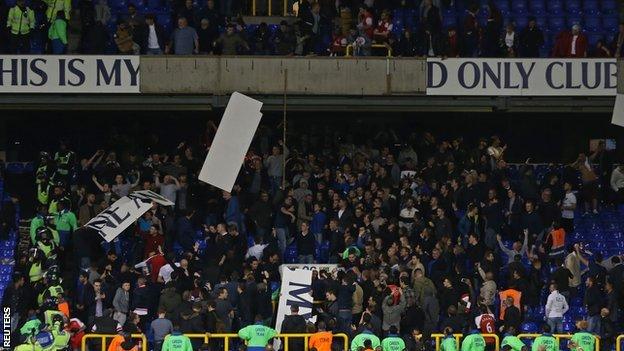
column 154, row 264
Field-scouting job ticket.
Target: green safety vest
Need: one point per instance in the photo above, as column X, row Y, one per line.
column 584, row 340
column 43, row 194
column 473, row 342
column 35, row 272
column 48, row 316
column 66, row 221
column 47, row 249
column 61, row 339
column 449, row 343
column 21, row 21
column 513, row 341
column 358, row 341
column 394, row 343
column 28, row 347
column 177, row 342
column 257, row 335
column 27, row 328
column 53, row 291
column 35, row 224
column 549, row 341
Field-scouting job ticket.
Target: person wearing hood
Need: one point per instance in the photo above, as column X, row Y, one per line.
column 294, row 323
column 121, row 303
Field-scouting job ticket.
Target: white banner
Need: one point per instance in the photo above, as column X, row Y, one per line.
column 296, row 290
column 521, row 77
column 234, row 135
column 121, row 214
column 330, row 268
column 69, row 74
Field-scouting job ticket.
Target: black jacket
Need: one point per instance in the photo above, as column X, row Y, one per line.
column 160, row 34
column 294, row 324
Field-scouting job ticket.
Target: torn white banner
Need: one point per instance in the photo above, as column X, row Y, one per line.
column 227, row 152
column 618, row 111
column 121, row 214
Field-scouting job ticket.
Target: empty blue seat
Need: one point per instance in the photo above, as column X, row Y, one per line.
column 290, row 256
column 541, row 22
column 519, row 6
column 609, row 6
column 521, row 22
column 590, row 7
column 592, row 40
column 529, row 327
column 592, row 22
column 15, row 168
column 573, row 6
column 537, row 7
column 555, row 6
column 502, row 5
column 610, row 23
column 556, row 23
column 448, row 22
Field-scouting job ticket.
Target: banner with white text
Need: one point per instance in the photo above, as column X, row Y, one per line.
column 296, row 290
column 521, row 77
column 69, row 74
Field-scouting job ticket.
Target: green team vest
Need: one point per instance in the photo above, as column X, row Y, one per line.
column 448, row 344
column 35, row 272
column 584, row 340
column 394, row 343
column 61, row 339
column 27, row 328
column 548, row 341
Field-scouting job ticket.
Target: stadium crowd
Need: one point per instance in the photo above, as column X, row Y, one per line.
column 318, row 28
column 428, row 236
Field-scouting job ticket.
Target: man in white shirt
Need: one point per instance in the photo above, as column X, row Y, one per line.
column 152, row 41
column 568, row 205
column 617, row 183
column 556, row 307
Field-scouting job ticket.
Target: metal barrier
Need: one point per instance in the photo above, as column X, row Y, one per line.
column 562, row 336
column 270, row 8
column 438, row 337
column 618, row 342
column 349, row 49
column 103, row 338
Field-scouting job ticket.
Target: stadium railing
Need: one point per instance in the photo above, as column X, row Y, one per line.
column 618, row 342
column 349, row 49
column 208, row 336
column 562, row 336
column 437, row 337
column 270, row 8
column 103, row 338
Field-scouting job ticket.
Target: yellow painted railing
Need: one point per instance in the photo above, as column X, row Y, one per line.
column 438, row 337
column 103, row 338
column 207, row 337
column 618, row 342
column 561, row 336
column 349, row 49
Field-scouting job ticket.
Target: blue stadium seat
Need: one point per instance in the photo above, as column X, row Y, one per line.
column 609, row 6
column 555, row 7
column 503, row 5
column 556, row 23
column 519, row 6
column 529, row 327
column 592, row 40
column 590, row 7
column 290, row 256
column 541, row 22
column 449, row 22
column 573, row 6
column 592, row 22
column 537, row 7
column 610, row 23
column 521, row 22
column 15, row 168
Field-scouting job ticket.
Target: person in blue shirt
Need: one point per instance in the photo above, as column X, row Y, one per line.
column 318, row 223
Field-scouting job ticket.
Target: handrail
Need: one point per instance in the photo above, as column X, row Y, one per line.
column 618, row 342
column 378, row 46
column 207, row 336
column 438, row 337
column 561, row 336
column 270, row 8
column 103, row 338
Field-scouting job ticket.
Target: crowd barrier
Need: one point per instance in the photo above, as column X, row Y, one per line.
column 618, row 342
column 103, row 339
column 438, row 337
column 208, row 336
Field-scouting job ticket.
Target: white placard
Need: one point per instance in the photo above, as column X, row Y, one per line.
column 69, row 74
column 296, row 290
column 618, row 111
column 330, row 268
column 234, row 135
column 521, row 77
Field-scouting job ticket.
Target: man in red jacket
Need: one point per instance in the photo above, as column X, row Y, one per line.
column 571, row 44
